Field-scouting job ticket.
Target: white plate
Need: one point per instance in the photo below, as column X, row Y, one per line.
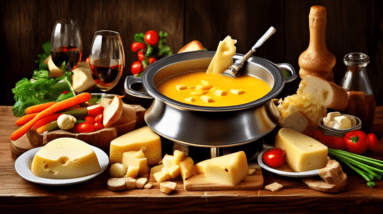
column 287, row 174
column 24, row 162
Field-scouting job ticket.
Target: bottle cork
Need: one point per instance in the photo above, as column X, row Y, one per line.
column 317, row 60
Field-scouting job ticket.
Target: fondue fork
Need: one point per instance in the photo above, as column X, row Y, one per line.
column 233, row 69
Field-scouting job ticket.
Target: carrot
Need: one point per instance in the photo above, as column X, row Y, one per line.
column 38, row 108
column 25, row 119
column 51, row 110
column 48, row 127
column 45, row 120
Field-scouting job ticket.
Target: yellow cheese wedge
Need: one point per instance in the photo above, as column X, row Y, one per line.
column 228, row 169
column 65, row 158
column 303, row 153
column 136, row 159
column 162, row 176
column 200, row 167
column 168, row 161
column 223, row 56
column 187, row 168
column 132, row 171
column 141, row 139
column 178, row 157
column 173, row 171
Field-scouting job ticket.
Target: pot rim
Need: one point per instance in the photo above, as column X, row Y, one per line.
column 151, row 70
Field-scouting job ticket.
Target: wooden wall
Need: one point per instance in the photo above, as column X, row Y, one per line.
column 353, row 25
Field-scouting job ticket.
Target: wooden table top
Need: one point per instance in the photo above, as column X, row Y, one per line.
column 19, row 195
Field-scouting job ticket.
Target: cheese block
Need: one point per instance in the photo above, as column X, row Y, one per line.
column 303, row 153
column 141, row 139
column 187, row 168
column 223, row 56
column 173, row 171
column 168, row 161
column 228, row 169
column 65, row 158
column 136, row 159
column 178, row 157
column 162, row 176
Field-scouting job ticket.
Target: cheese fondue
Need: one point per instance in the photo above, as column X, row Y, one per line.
column 199, row 88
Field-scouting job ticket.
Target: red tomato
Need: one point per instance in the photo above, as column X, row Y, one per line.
column 151, row 37
column 95, row 110
column 373, row 143
column 137, row 46
column 89, row 120
column 136, row 67
column 84, row 128
column 338, row 143
column 98, row 126
column 141, row 56
column 99, row 118
column 274, row 157
column 151, row 60
column 356, row 142
column 87, row 59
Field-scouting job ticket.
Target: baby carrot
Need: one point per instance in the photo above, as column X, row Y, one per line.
column 45, row 120
column 25, row 119
column 38, row 108
column 51, row 110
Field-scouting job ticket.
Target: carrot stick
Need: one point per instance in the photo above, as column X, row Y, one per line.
column 51, row 110
column 45, row 120
column 38, row 108
column 25, row 119
column 48, row 127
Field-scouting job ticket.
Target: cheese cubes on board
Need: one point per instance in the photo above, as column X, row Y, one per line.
column 65, row 158
column 303, row 153
column 141, row 139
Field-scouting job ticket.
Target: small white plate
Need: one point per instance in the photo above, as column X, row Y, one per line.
column 284, row 173
column 24, row 162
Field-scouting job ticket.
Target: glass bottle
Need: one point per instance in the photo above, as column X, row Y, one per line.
column 361, row 97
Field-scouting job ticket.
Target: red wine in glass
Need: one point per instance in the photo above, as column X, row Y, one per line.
column 106, row 76
column 71, row 55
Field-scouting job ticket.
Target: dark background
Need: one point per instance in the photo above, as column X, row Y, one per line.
column 352, row 26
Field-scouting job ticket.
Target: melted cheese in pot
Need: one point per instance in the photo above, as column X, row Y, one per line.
column 250, row 88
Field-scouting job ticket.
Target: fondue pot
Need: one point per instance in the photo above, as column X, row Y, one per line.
column 213, row 127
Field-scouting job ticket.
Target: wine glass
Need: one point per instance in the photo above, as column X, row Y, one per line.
column 66, row 44
column 106, row 59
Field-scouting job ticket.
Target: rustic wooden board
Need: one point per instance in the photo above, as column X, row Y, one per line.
column 251, row 182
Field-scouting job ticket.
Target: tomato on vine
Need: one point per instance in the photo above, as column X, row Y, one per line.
column 136, row 67
column 151, row 37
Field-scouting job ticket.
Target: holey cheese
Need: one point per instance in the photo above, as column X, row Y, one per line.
column 303, row 153
column 65, row 158
column 141, row 139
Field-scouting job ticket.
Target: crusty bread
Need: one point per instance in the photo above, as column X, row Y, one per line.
column 191, row 46
column 297, row 121
column 82, row 78
column 327, row 93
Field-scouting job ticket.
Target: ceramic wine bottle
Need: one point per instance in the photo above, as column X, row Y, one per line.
column 317, row 60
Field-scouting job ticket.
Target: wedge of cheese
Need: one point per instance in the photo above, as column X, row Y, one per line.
column 223, row 56
column 136, row 159
column 303, row 153
column 228, row 169
column 65, row 158
column 141, row 139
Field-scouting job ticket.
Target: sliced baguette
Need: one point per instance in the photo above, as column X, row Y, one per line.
column 327, row 93
column 112, row 112
column 191, row 46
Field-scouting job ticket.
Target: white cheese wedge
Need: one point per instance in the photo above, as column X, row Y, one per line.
column 303, row 153
column 141, row 139
column 223, row 56
column 65, row 158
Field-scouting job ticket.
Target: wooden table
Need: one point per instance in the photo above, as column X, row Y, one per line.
column 18, row 195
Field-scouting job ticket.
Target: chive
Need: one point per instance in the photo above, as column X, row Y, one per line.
column 350, row 160
column 377, row 163
column 371, row 174
column 369, row 182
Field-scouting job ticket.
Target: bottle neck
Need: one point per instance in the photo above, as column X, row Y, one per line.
column 317, row 33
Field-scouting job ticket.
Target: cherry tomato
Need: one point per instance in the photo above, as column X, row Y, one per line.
column 151, row 60
column 356, row 142
column 87, row 59
column 141, row 56
column 84, row 128
column 89, row 120
column 151, row 37
column 373, row 143
column 98, row 126
column 99, row 118
column 136, row 67
column 137, row 46
column 274, row 157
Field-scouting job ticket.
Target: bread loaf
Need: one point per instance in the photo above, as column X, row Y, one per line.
column 298, row 121
column 191, row 46
column 324, row 92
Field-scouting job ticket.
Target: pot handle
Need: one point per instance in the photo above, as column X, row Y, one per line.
column 129, row 81
column 290, row 68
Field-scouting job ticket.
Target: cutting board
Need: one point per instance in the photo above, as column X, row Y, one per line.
column 251, row 182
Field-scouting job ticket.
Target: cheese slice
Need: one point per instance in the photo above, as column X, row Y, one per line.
column 303, row 153
column 141, row 139
column 223, row 56
column 228, row 169
column 65, row 158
